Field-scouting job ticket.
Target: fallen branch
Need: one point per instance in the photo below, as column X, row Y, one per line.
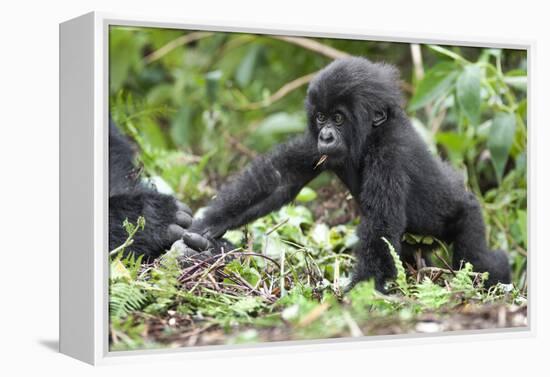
column 279, row 94
column 445, row 263
column 240, row 147
column 313, row 45
column 313, row 315
column 178, row 42
column 437, row 270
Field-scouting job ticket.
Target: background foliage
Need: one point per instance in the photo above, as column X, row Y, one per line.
column 200, row 105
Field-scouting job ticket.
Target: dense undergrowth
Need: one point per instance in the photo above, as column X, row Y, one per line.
column 286, row 280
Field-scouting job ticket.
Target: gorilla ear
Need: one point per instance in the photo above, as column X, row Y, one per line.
column 380, row 116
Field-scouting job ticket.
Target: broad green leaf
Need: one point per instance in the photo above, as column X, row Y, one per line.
column 424, row 133
column 251, row 275
column 445, row 51
column 468, row 92
column 320, row 235
column 296, row 215
column 437, row 81
column 522, row 109
column 411, row 239
column 213, row 79
column 125, row 55
column 522, row 223
column 152, row 134
column 500, row 141
column 281, row 123
column 306, row 195
column 516, row 78
column 244, row 73
column 272, row 246
column 351, row 240
column 181, row 130
column 518, row 82
column 275, row 127
column 427, row 240
column 234, row 236
column 456, row 145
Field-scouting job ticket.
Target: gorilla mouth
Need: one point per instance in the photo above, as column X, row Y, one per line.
column 332, row 150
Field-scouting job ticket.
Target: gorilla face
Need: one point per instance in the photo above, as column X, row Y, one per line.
column 332, row 120
column 346, row 101
column 331, row 129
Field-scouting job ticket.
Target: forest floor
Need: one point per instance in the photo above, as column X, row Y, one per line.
column 176, row 330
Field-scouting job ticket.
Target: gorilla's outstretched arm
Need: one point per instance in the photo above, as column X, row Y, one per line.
column 268, row 183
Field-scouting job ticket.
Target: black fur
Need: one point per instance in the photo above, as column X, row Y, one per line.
column 129, row 198
column 372, row 147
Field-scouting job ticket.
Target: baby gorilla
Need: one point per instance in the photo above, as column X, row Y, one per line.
column 358, row 130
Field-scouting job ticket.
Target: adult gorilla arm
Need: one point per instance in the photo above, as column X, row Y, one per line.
column 268, row 183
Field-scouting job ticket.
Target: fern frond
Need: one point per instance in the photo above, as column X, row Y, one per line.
column 401, row 278
column 124, row 298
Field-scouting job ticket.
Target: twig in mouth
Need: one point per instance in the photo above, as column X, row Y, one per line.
column 321, row 160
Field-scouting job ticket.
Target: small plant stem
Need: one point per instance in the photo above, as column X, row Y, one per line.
column 282, row 272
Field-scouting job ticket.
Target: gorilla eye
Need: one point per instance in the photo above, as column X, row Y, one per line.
column 338, row 119
column 321, row 118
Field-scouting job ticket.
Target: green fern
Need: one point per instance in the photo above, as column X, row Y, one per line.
column 401, row 278
column 125, row 298
column 131, row 230
column 431, row 295
column 463, row 282
column 164, row 280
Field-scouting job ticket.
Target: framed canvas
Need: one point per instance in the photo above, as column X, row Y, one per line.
column 244, row 188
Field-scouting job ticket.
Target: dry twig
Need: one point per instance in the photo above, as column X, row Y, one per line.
column 279, row 94
column 178, row 42
column 313, row 45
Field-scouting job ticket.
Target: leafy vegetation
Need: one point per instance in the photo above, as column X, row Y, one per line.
column 200, row 105
column 276, row 289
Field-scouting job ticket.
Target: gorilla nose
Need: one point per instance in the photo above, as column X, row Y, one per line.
column 326, row 136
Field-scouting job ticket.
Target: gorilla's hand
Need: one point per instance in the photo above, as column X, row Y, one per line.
column 199, row 247
column 183, row 219
column 165, row 221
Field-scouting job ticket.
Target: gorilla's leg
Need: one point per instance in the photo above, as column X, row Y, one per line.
column 165, row 220
column 374, row 260
column 470, row 244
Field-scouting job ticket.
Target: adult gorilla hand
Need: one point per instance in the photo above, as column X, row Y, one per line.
column 197, row 246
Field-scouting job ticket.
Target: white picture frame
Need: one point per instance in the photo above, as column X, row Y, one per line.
column 84, row 189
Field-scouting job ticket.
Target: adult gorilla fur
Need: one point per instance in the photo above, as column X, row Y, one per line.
column 129, row 198
column 356, row 120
